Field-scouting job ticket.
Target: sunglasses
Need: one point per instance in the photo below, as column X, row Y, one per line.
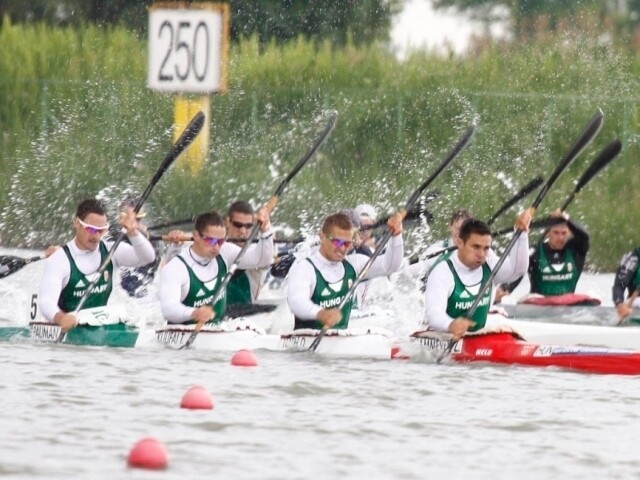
column 241, row 225
column 213, row 241
column 92, row 229
column 338, row 242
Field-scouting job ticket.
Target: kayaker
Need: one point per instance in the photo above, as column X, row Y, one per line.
column 367, row 216
column 627, row 278
column 422, row 267
column 188, row 281
column 453, row 284
column 244, row 286
column 557, row 263
column 318, row 283
column 69, row 270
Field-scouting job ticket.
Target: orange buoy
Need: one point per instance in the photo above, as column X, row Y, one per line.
column 197, row 398
column 244, row 358
column 149, row 453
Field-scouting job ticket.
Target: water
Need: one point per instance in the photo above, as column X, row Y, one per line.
column 73, row 412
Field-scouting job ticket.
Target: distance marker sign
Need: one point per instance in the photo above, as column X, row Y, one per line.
column 188, row 47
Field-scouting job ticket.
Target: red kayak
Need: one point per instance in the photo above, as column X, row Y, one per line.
column 508, row 348
column 568, row 299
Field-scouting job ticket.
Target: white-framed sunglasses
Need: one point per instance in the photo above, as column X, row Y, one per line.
column 92, row 229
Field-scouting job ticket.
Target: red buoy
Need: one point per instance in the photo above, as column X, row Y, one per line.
column 149, row 453
column 197, row 398
column 244, row 358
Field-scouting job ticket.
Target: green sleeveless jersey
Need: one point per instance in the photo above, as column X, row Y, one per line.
column 552, row 280
column 461, row 299
column 326, row 297
column 199, row 294
column 78, row 282
column 239, row 288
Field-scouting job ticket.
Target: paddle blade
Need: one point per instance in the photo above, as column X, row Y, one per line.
column 323, row 137
column 10, row 264
column 610, row 152
column 188, row 135
column 464, row 141
column 586, row 137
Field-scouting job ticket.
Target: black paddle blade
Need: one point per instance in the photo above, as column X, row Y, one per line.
column 609, row 152
column 188, row 136
column 323, row 137
column 588, row 134
column 10, row 264
column 524, row 191
column 457, row 150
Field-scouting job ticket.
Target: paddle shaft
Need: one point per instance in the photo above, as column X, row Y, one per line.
column 186, row 138
column 586, row 137
column 221, row 288
column 524, row 191
column 459, row 147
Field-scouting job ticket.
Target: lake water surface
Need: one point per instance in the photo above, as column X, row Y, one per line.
column 74, row 412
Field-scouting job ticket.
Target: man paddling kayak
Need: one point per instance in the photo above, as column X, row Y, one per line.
column 557, row 263
column 188, row 281
column 627, row 278
column 453, row 284
column 318, row 284
column 244, row 286
column 69, row 270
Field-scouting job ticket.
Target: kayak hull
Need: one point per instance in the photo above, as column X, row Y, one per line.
column 114, row 335
column 507, row 348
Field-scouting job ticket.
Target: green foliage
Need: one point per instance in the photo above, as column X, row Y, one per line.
column 82, row 122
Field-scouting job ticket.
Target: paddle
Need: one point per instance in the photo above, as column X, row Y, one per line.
column 522, row 193
column 11, row 264
column 609, row 152
column 459, row 147
column 173, row 223
column 222, row 286
column 586, row 137
column 187, row 137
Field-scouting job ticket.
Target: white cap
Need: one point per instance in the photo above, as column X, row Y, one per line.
column 367, row 211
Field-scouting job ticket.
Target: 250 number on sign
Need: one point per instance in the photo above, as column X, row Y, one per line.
column 186, row 50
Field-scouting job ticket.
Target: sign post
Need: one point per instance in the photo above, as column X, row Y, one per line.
column 188, row 51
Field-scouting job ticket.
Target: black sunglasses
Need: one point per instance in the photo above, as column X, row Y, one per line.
column 241, row 225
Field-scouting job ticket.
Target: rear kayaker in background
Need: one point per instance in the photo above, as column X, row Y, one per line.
column 244, row 286
column 69, row 270
column 557, row 263
column 188, row 281
column 422, row 267
column 627, row 278
column 367, row 216
column 453, row 284
column 318, row 284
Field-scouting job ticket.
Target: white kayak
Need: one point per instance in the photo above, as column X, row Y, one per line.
column 234, row 335
column 568, row 333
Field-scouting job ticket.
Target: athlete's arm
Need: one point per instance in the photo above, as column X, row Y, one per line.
column 439, row 287
column 387, row 263
column 174, row 286
column 54, row 278
column 516, row 263
column 624, row 276
column 300, row 287
column 139, row 253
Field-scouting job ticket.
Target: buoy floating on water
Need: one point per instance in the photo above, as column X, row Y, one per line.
column 244, row 358
column 197, row 398
column 149, row 453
